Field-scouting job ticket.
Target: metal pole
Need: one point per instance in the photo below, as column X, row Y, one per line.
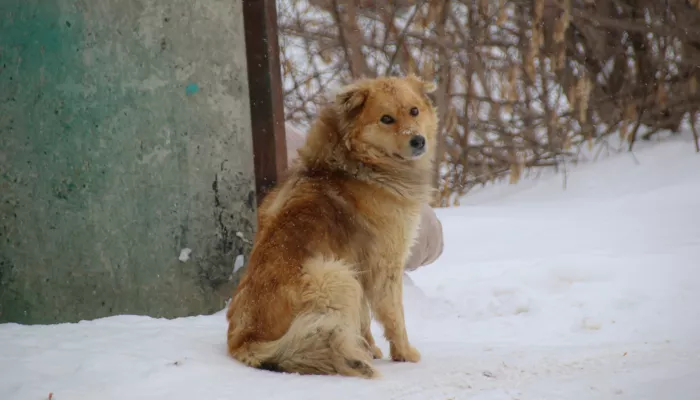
column 265, row 87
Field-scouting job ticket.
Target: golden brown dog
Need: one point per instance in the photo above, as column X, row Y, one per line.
column 334, row 235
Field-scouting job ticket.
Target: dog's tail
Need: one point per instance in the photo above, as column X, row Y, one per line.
column 325, row 338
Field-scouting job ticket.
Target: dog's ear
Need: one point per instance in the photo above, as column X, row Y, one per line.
column 350, row 99
column 420, row 84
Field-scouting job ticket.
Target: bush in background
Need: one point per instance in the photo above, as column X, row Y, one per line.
column 522, row 84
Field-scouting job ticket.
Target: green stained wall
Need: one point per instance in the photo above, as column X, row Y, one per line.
column 124, row 138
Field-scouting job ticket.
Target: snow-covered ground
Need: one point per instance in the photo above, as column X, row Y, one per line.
column 588, row 293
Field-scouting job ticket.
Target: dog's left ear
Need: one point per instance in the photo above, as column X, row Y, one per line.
column 421, row 85
column 350, row 99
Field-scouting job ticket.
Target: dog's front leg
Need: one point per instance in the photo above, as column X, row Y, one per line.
column 387, row 303
column 366, row 326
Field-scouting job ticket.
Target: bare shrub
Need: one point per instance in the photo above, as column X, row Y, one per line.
column 521, row 83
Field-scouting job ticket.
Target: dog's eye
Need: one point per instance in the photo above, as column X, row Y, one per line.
column 387, row 119
column 414, row 111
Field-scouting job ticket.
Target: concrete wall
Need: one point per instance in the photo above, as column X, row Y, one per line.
column 124, row 138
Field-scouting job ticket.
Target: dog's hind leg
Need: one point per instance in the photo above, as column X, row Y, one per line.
column 334, row 292
column 325, row 338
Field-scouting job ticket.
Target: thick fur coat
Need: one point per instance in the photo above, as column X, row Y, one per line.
column 334, row 235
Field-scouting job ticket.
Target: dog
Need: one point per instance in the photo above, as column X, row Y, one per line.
column 334, row 234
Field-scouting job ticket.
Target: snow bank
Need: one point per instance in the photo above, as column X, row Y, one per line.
column 541, row 293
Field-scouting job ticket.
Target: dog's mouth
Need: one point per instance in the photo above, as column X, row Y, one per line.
column 400, row 157
column 416, row 154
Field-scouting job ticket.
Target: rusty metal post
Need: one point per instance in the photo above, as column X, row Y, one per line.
column 265, row 87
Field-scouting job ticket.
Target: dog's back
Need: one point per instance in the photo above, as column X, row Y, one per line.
column 297, row 307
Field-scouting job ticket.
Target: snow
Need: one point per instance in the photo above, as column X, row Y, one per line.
column 185, row 254
column 541, row 293
column 238, row 263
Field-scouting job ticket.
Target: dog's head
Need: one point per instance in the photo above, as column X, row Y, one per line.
column 388, row 120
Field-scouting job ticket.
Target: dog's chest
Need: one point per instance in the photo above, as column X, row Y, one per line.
column 392, row 231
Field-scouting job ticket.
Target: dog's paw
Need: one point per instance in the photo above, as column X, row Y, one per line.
column 372, row 349
column 410, row 354
column 376, row 352
column 361, row 368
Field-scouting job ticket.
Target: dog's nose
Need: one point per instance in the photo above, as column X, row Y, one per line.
column 417, row 142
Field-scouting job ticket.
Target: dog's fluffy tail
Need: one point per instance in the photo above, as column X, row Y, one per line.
column 325, row 338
